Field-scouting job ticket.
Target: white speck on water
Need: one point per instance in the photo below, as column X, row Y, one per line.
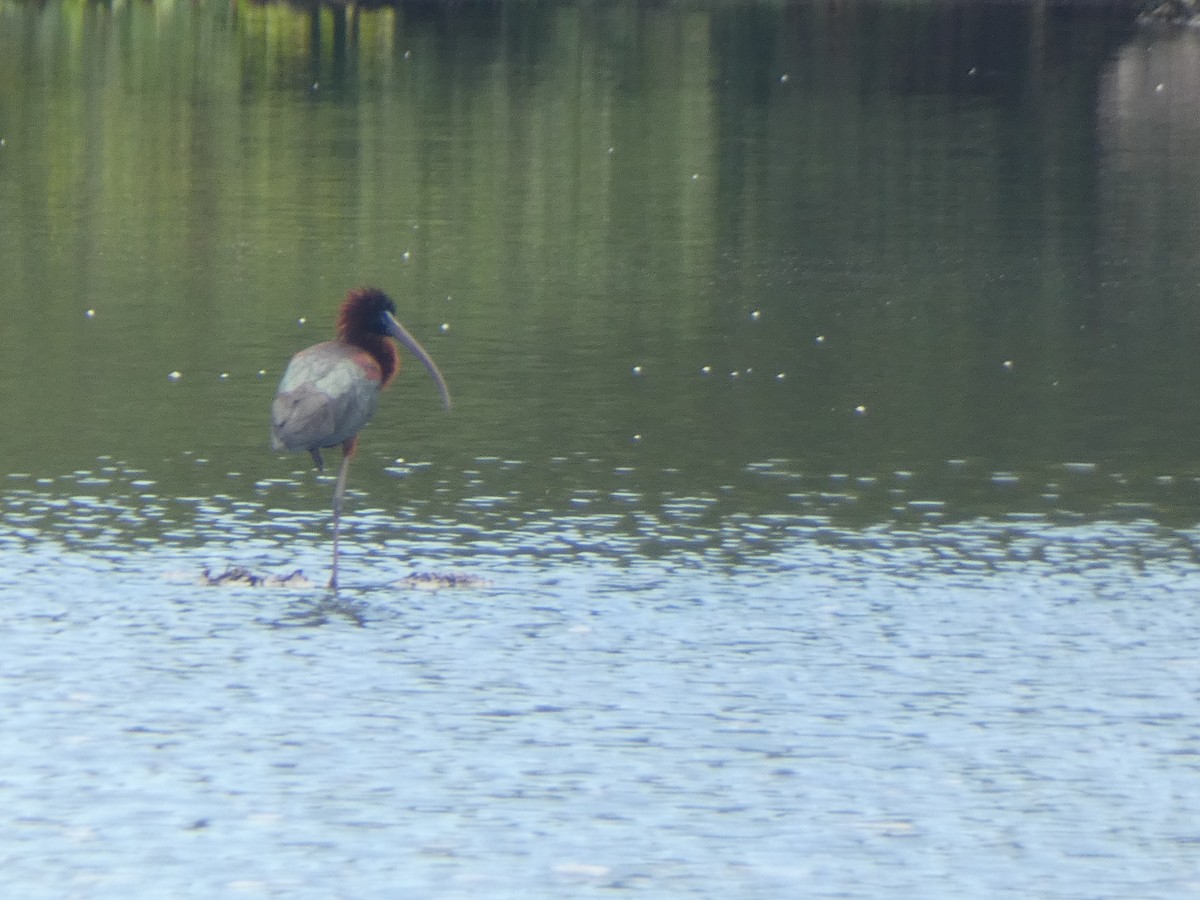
column 756, row 315
column 972, row 71
column 1008, row 364
column 91, row 314
column 637, row 370
column 1080, row 468
column 783, row 79
column 262, row 372
column 706, row 370
column 301, row 321
column 1159, row 88
column 175, row 376
column 224, row 376
column 581, row 870
column 860, row 410
column 316, row 85
column 612, row 149
column 734, row 374
column 637, row 438
column 695, row 176
column 820, row 338
column 780, row 376
column 406, row 256
column 408, row 54
column 444, row 327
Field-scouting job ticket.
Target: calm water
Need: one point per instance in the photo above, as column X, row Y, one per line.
column 824, row 439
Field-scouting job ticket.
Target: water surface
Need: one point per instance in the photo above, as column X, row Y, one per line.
column 823, row 442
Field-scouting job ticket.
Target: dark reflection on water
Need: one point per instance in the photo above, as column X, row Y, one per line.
column 922, row 221
column 824, row 428
column 637, row 512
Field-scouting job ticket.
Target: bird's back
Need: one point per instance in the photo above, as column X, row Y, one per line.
column 327, row 395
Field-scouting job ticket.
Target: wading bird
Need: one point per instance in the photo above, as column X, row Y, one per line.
column 329, row 391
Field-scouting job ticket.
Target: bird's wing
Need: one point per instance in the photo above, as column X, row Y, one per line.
column 324, row 398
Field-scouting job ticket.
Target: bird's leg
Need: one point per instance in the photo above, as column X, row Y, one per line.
column 339, row 492
column 317, row 461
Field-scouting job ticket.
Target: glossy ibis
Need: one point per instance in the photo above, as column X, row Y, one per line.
column 330, row 390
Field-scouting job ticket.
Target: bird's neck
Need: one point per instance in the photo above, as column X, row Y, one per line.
column 382, row 350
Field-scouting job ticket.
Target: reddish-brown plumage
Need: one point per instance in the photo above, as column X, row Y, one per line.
column 357, row 324
column 329, row 391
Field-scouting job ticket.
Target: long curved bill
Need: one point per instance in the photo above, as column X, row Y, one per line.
column 410, row 343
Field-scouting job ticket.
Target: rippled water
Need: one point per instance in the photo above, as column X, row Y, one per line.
column 822, row 469
column 664, row 695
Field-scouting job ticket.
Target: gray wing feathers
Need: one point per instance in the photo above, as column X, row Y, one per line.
column 321, row 405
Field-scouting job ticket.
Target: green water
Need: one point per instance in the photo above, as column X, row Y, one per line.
column 845, row 210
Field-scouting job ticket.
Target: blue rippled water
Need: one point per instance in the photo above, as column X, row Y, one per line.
column 660, row 701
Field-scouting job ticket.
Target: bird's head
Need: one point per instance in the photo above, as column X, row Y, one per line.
column 370, row 312
column 365, row 311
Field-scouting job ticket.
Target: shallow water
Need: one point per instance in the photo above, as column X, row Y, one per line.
column 678, row 700
column 822, row 453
